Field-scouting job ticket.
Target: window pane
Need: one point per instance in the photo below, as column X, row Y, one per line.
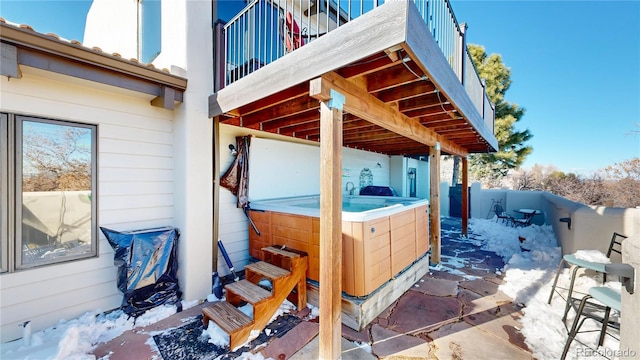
column 151, row 30
column 57, row 162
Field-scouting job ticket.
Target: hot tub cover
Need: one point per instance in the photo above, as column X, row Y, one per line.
column 373, row 190
column 147, row 264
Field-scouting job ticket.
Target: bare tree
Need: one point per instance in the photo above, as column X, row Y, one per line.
column 58, row 161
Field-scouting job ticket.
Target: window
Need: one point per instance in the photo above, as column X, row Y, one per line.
column 48, row 183
column 149, row 30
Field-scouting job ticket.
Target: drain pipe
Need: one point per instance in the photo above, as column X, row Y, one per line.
column 215, row 279
column 26, row 333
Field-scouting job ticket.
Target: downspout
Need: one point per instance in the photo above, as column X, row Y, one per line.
column 216, row 195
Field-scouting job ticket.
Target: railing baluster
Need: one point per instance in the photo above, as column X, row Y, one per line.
column 256, row 37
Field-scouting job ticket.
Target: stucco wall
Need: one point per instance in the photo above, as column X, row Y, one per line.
column 186, row 50
column 591, row 226
column 629, row 326
column 135, row 190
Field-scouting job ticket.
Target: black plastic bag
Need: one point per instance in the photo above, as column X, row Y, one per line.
column 147, row 262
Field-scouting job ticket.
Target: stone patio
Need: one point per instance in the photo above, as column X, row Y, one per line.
column 451, row 313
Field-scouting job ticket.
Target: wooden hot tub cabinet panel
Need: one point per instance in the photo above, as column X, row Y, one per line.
column 262, row 220
column 376, row 254
column 422, row 230
column 373, row 251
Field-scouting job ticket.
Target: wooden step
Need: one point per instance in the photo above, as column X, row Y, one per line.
column 278, row 251
column 267, row 270
column 248, row 291
column 226, row 316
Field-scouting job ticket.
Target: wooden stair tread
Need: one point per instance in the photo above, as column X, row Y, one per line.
column 248, row 291
column 282, row 252
column 267, row 270
column 227, row 316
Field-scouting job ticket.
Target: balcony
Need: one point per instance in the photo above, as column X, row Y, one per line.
column 410, row 56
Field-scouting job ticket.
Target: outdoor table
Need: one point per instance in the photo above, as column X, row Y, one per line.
column 527, row 216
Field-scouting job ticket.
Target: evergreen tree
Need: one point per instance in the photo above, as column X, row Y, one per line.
column 490, row 168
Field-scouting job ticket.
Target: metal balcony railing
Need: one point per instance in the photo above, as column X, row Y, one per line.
column 266, row 30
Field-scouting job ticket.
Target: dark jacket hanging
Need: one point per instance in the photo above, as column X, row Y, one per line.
column 236, row 178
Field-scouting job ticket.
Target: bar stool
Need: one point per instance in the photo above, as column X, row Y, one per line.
column 608, row 299
column 579, row 264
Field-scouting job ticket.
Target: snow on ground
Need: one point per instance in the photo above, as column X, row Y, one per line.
column 530, row 267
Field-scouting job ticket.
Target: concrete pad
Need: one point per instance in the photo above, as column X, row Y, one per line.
column 418, row 313
column 349, row 351
column 463, row 341
column 292, row 341
column 436, row 287
column 390, row 344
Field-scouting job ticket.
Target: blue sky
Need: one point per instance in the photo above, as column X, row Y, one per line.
column 575, row 68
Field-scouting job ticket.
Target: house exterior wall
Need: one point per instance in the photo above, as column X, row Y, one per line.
column 154, row 165
column 122, row 17
column 186, row 50
column 135, row 190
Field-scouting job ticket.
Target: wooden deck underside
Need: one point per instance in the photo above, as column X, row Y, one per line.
column 391, row 60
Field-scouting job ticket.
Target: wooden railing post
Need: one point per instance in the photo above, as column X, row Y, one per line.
column 463, row 49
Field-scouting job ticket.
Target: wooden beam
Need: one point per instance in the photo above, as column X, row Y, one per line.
column 367, row 65
column 81, row 70
column 366, row 106
column 300, row 119
column 406, row 91
column 289, row 108
column 465, row 196
column 434, row 203
column 431, row 110
column 331, row 226
column 394, row 76
column 421, row 102
column 165, row 100
column 275, row 99
column 9, row 61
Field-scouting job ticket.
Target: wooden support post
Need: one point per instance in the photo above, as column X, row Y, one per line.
column 331, row 226
column 465, row 196
column 434, row 202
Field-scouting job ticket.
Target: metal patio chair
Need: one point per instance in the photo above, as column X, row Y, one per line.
column 600, row 311
column 579, row 264
column 501, row 214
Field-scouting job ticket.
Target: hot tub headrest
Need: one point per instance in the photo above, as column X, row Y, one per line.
column 378, row 191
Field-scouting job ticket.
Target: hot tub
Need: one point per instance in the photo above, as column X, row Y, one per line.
column 381, row 235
